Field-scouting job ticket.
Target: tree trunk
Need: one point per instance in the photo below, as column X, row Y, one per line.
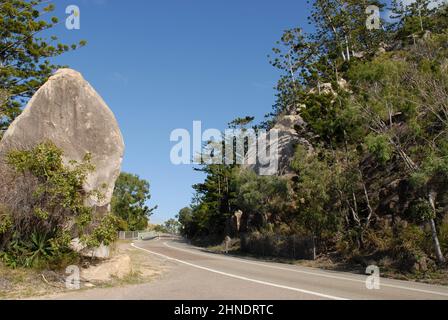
column 435, row 238
column 347, row 48
column 421, row 19
column 439, row 255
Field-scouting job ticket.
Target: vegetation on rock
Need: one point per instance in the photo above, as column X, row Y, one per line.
column 38, row 225
column 375, row 104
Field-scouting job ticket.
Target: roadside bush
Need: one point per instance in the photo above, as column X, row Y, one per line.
column 5, row 221
column 444, row 234
column 104, row 233
column 347, row 243
column 269, row 244
column 420, row 211
column 408, row 246
column 45, row 209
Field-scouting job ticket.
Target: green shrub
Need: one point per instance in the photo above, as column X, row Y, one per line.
column 443, row 234
column 5, row 221
column 40, row 234
column 105, row 233
column 421, row 211
column 379, row 146
column 409, row 246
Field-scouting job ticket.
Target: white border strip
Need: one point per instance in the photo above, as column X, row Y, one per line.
column 243, row 278
column 308, row 272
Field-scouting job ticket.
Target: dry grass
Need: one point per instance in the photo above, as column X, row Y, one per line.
column 22, row 283
column 144, row 268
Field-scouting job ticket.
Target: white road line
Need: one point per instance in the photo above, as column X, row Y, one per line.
column 309, row 272
column 242, row 278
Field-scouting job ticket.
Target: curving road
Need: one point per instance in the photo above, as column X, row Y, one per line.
column 197, row 275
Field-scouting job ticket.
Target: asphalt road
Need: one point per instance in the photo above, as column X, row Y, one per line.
column 195, row 274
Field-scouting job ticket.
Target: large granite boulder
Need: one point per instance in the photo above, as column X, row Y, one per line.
column 69, row 112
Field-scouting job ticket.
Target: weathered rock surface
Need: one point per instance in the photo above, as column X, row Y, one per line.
column 101, row 252
column 291, row 131
column 234, row 224
column 70, row 113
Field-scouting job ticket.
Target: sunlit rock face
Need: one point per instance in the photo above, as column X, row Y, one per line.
column 291, row 130
column 69, row 112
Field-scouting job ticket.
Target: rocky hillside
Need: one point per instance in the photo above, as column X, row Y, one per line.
column 363, row 166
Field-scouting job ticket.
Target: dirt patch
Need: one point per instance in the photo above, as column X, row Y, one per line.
column 19, row 283
column 126, row 266
column 119, row 266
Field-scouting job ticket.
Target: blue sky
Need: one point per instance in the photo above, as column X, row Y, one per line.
column 160, row 65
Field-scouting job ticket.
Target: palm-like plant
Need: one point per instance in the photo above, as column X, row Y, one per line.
column 39, row 249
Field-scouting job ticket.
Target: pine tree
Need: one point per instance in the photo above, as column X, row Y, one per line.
column 25, row 55
column 412, row 19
